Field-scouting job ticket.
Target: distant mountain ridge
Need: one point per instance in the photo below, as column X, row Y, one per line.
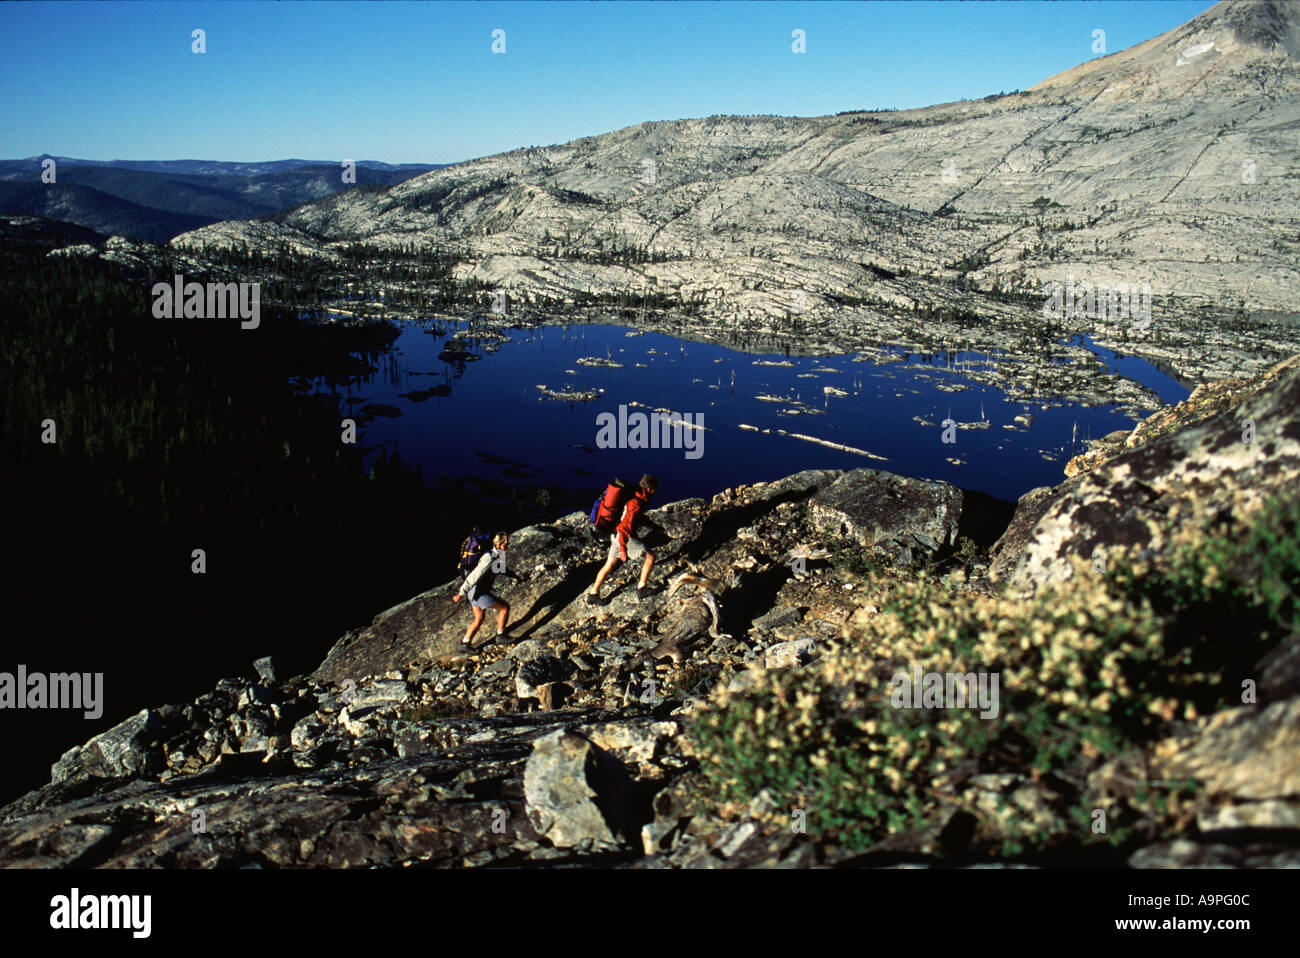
column 216, row 167
column 94, row 210
column 156, row 200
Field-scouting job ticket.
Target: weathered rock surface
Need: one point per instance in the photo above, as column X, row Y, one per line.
column 1140, row 497
column 577, row 794
column 1185, row 853
column 1206, row 401
column 785, row 654
column 1248, row 754
column 746, row 532
column 118, row 753
column 906, row 519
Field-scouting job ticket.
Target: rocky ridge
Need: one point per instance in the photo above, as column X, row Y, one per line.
column 571, row 742
column 403, row 749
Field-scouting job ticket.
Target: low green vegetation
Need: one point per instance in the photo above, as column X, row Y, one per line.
column 849, row 557
column 1088, row 671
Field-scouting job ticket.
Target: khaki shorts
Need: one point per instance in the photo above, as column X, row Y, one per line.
column 635, row 547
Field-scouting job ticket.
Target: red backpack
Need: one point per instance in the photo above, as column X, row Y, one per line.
column 607, row 510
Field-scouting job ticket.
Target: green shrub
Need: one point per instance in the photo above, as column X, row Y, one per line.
column 1088, row 669
column 848, row 556
column 1253, row 573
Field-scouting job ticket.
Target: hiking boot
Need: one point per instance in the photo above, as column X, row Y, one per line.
column 594, row 599
column 643, row 591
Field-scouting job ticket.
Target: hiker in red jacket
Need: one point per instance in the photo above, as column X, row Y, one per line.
column 622, row 543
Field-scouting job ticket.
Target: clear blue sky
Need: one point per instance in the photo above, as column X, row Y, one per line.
column 417, row 82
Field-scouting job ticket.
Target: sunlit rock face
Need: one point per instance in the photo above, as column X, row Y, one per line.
column 1164, row 168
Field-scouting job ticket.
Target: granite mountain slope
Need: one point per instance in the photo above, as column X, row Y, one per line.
column 1171, row 164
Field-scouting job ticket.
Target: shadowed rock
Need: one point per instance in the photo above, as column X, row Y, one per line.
column 908, row 520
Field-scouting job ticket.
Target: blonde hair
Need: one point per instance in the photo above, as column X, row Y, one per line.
column 500, row 539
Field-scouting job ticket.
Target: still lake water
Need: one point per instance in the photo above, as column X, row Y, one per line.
column 486, row 418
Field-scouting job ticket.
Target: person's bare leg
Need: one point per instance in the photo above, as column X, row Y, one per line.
column 645, row 569
column 605, row 570
column 503, row 613
column 473, row 626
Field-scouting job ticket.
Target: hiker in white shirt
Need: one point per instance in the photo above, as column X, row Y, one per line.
column 477, row 588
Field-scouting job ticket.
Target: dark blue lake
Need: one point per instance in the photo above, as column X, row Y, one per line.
column 1157, row 380
column 486, row 417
